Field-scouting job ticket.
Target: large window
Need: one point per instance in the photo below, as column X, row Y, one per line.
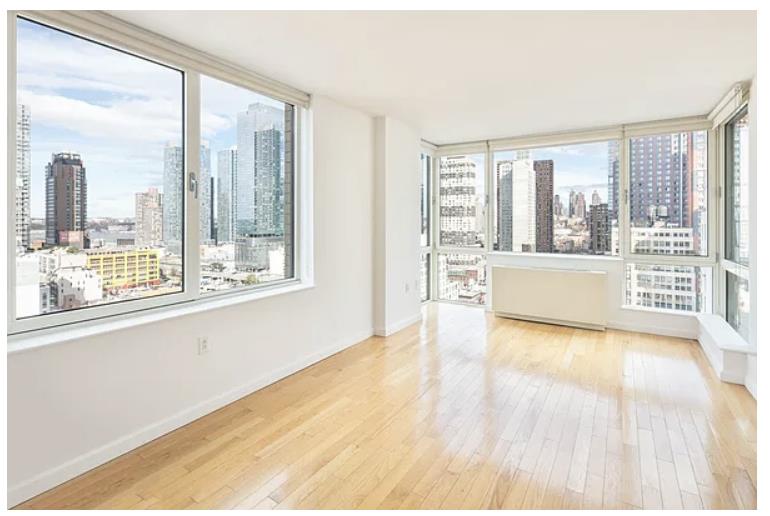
column 561, row 199
column 668, row 194
column 246, row 195
column 99, row 183
column 736, row 237
column 462, row 201
column 116, row 195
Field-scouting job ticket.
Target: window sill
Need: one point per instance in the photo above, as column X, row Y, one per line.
column 65, row 333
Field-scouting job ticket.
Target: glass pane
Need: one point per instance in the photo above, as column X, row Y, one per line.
column 461, row 201
column 557, row 199
column 247, row 193
column 424, row 276
column 98, row 210
column 669, row 287
column 425, row 163
column 462, row 277
column 737, row 190
column 668, row 194
column 738, row 304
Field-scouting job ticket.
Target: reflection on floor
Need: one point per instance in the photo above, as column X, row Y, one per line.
column 462, row 411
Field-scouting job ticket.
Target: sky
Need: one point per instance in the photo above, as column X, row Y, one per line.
column 116, row 110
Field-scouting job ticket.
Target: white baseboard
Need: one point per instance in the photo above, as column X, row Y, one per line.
column 397, row 326
column 89, row 460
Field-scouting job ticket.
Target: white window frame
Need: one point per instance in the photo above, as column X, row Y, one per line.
column 623, row 134
column 725, row 266
column 104, row 29
column 428, row 150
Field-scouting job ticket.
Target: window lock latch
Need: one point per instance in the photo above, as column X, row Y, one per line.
column 194, row 184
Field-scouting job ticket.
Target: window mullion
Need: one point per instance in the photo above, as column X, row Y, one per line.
column 192, row 185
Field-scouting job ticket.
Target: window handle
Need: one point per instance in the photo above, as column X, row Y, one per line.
column 194, row 184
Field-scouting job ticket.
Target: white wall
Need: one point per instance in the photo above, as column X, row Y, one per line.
column 397, row 223
column 676, row 325
column 74, row 405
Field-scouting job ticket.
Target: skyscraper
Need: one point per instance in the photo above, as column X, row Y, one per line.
column 558, row 206
column 205, row 227
column 66, row 199
column 173, row 197
column 504, row 205
column 572, row 199
column 613, row 178
column 544, row 205
column 580, row 205
column 259, row 177
column 149, row 218
column 23, row 175
column 457, row 183
column 523, row 210
column 600, row 229
column 227, row 163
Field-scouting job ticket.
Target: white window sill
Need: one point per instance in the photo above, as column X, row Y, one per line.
column 69, row 332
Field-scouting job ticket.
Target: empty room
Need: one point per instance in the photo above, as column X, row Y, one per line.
column 382, row 259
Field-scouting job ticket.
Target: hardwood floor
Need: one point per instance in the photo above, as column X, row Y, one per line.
column 464, row 411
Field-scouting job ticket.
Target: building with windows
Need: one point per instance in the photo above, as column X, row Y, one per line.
column 121, row 269
column 543, row 205
column 23, row 175
column 74, row 287
column 148, row 218
column 457, row 202
column 227, row 166
column 173, row 197
column 66, row 199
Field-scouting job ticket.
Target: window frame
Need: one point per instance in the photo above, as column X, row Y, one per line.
column 623, row 134
column 727, row 266
column 427, row 152
column 103, row 29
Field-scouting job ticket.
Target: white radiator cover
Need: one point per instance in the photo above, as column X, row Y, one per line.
column 557, row 296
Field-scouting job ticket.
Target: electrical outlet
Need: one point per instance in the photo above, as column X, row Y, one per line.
column 203, row 345
column 406, row 287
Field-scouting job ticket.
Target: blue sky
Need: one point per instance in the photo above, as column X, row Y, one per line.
column 116, row 110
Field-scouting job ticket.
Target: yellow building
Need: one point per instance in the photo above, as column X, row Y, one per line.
column 125, row 268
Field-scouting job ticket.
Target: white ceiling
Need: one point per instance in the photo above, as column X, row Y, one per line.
column 463, row 76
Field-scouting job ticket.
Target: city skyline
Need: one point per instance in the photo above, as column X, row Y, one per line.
column 125, row 125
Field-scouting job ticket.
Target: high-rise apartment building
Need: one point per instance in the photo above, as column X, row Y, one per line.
column 206, row 223
column 580, row 206
column 227, row 165
column 523, row 203
column 558, row 206
column 23, row 175
column 572, row 199
column 173, row 197
column 599, row 222
column 259, row 178
column 148, row 214
column 66, row 196
column 504, row 211
column 457, row 201
column 543, row 205
column 613, row 178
